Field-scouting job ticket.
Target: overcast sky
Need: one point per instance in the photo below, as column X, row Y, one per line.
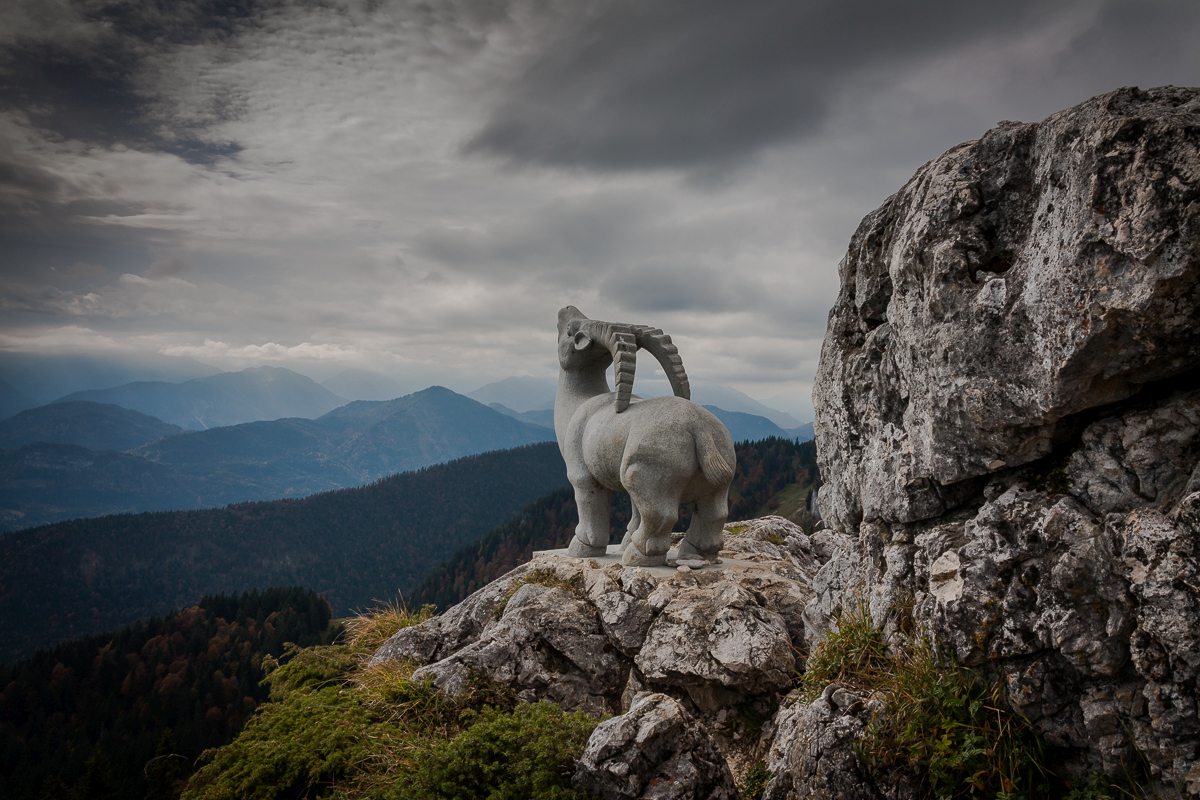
column 417, row 187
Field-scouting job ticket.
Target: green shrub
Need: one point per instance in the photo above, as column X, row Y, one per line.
column 854, row 656
column 336, row 727
column 528, row 754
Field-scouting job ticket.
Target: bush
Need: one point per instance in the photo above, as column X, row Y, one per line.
column 528, row 754
column 336, row 727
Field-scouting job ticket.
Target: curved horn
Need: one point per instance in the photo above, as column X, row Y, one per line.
column 621, row 342
column 659, row 345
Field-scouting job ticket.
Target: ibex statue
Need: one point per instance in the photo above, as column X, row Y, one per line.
column 663, row 451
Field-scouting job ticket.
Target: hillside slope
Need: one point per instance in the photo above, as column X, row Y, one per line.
column 171, row 686
column 43, row 483
column 353, row 445
column 353, row 546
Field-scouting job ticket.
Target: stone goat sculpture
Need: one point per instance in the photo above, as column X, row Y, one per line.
column 662, row 451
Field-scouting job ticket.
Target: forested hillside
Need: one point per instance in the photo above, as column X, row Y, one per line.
column 769, row 473
column 125, row 715
column 353, row 546
column 45, row 483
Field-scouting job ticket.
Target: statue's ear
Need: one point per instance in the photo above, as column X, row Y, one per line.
column 582, row 340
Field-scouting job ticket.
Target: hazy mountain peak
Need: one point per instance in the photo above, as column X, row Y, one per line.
column 227, row 398
column 524, row 393
column 363, row 384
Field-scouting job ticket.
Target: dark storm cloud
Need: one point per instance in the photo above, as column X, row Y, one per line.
column 654, row 287
column 79, row 78
column 689, row 83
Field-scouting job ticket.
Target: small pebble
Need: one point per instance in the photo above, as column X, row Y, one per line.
column 694, row 563
column 683, row 568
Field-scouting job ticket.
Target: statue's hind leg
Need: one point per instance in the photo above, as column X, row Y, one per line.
column 706, row 535
column 635, row 519
column 657, row 503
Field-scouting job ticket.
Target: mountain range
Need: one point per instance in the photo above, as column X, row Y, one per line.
column 363, row 384
column 96, row 426
column 351, row 445
column 42, row 377
column 59, row 463
column 526, row 394
column 227, row 398
column 742, row 427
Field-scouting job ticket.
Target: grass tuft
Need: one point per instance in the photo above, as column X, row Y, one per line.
column 754, row 781
column 942, row 723
column 369, row 629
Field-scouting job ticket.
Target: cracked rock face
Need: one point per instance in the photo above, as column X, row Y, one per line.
column 1008, row 423
column 1019, row 279
column 813, row 753
column 655, row 750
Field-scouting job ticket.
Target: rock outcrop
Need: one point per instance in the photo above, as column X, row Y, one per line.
column 675, row 654
column 1008, row 425
column 655, row 750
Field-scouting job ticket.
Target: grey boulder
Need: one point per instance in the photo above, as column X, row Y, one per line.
column 655, row 751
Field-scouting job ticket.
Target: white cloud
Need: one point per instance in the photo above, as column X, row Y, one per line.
column 270, row 351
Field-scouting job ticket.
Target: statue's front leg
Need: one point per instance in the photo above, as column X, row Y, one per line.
column 591, row 534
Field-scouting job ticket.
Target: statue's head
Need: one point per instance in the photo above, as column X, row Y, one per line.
column 586, row 344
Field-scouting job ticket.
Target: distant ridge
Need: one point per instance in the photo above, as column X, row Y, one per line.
column 96, row 426
column 46, row 376
column 519, row 394
column 13, row 400
column 352, row 444
column 228, row 398
column 363, row 384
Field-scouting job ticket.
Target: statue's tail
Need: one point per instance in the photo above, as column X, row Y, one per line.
column 717, row 470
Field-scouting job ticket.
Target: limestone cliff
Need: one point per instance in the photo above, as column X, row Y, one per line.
column 1008, row 421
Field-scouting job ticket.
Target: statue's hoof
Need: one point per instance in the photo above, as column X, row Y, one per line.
column 632, row 557
column 688, row 552
column 580, row 549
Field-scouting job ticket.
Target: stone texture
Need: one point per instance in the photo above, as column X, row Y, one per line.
column 1008, row 425
column 813, row 753
column 713, row 638
column 655, row 750
column 1015, row 281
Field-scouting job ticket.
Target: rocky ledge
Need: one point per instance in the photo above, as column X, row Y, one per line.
column 692, row 663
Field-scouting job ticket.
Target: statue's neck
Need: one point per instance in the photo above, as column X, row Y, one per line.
column 575, row 388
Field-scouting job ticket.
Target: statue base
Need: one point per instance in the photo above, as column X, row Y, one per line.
column 672, row 567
